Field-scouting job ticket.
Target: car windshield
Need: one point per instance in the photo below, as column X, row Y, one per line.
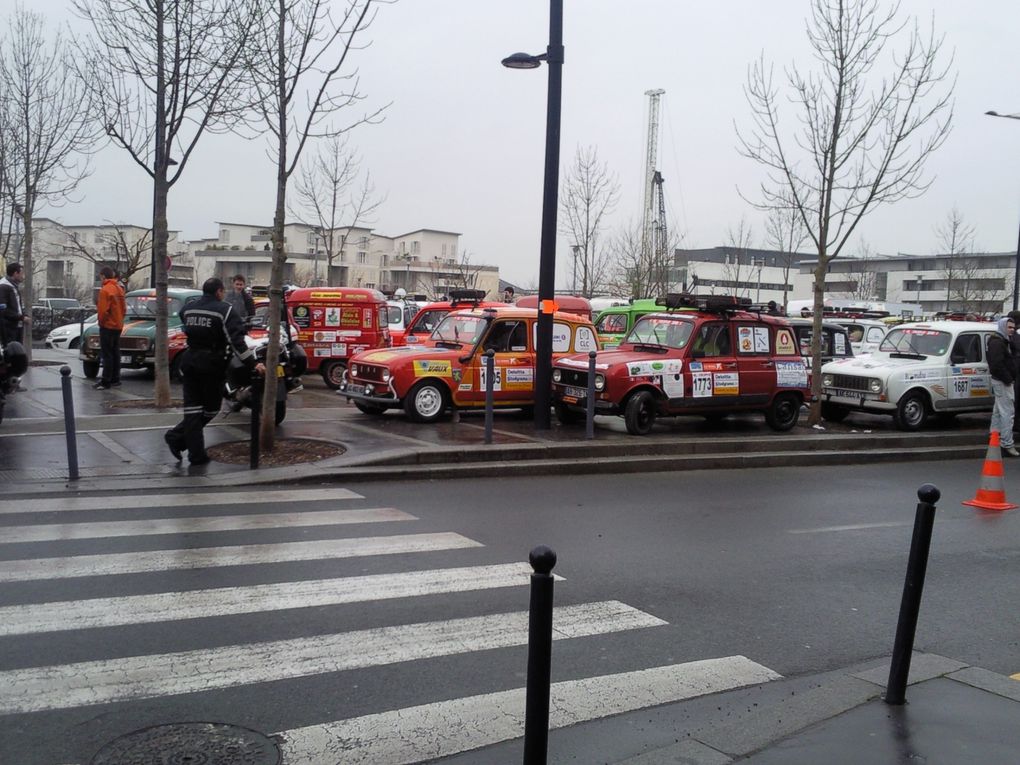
column 428, row 321
column 661, row 330
column 58, row 304
column 460, row 329
column 926, row 342
column 144, row 306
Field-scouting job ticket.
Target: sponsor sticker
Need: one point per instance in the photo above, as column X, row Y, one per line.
column 332, row 317
column 701, row 385
column 339, row 349
column 673, row 384
column 433, row 367
column 785, row 344
column 726, row 383
column 497, row 379
column 323, row 337
column 519, row 378
column 322, row 353
column 647, row 368
column 791, row 374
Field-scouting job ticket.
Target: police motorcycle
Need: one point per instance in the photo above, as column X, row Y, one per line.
column 13, row 364
column 242, row 384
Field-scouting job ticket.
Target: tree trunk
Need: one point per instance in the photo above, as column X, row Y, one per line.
column 818, row 292
column 160, row 193
column 28, row 262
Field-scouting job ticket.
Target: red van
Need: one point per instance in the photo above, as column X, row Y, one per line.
column 334, row 323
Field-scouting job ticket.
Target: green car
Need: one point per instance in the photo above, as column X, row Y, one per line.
column 613, row 324
column 138, row 338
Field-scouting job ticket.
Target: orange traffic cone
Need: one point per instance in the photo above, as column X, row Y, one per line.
column 991, row 494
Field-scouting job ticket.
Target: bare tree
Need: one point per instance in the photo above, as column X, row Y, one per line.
column 161, row 74
column 329, row 200
column 129, row 255
column 862, row 280
column 453, row 274
column 588, row 194
column 299, row 64
column 955, row 241
column 977, row 288
column 47, row 127
column 640, row 271
column 867, row 124
column 785, row 233
column 739, row 265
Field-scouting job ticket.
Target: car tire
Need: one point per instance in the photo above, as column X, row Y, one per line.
column 426, row 402
column 90, row 369
column 281, row 411
column 911, row 411
column 333, row 374
column 783, row 412
column 639, row 414
column 834, row 412
column 373, row 409
column 565, row 414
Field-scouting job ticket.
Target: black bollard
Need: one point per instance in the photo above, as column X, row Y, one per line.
column 256, row 409
column 490, row 364
column 590, row 401
column 536, row 713
column 69, row 427
column 910, row 605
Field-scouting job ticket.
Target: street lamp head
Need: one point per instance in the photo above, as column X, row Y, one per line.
column 1007, row 116
column 523, row 61
column 993, row 114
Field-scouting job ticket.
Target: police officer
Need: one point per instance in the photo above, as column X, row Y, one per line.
column 211, row 326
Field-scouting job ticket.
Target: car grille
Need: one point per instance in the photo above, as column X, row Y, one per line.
column 134, row 343
column 849, row 382
column 573, row 377
column 370, row 373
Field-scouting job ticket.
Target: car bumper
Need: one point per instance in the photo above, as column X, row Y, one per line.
column 356, row 392
column 870, row 402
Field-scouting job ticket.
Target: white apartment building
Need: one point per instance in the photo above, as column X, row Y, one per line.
column 421, row 262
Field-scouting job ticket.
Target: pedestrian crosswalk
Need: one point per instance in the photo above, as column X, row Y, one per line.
column 102, row 581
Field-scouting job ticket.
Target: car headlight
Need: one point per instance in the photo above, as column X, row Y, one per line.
column 386, row 375
column 600, row 382
column 827, row 381
column 60, row 332
column 557, row 375
column 876, row 386
column 354, row 369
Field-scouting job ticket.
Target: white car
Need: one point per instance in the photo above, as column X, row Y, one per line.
column 918, row 370
column 69, row 335
column 865, row 334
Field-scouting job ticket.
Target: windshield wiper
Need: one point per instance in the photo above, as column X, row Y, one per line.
column 907, row 355
column 451, row 344
column 653, row 347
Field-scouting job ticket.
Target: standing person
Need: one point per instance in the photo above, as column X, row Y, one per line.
column 239, row 299
column 1002, row 366
column 110, row 308
column 1014, row 343
column 14, row 315
column 211, row 326
column 508, row 295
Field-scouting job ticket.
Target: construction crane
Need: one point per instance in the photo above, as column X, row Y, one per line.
column 654, row 243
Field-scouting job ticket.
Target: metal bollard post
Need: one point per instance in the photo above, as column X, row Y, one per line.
column 256, row 410
column 913, row 586
column 490, row 363
column 69, row 427
column 590, row 401
column 536, row 712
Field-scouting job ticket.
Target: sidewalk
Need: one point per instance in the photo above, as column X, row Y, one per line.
column 120, row 441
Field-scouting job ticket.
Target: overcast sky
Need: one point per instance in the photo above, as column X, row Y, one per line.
column 461, row 148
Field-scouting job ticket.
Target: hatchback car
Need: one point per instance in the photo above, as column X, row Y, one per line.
column 68, row 336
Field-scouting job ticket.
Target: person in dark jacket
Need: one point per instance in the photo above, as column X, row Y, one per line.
column 1014, row 343
column 14, row 314
column 211, row 327
column 1002, row 366
column 240, row 300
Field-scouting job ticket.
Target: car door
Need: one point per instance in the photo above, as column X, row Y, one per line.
column 755, row 367
column 969, row 381
column 712, row 373
column 513, row 363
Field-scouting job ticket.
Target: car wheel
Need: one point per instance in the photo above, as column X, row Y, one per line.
column 911, row 412
column 784, row 412
column 333, row 374
column 565, row 414
column 834, row 412
column 373, row 409
column 75, row 342
column 90, row 369
column 281, row 411
column 426, row 402
column 640, row 413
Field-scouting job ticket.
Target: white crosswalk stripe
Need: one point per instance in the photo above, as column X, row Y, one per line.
column 220, row 557
column 429, row 731
column 200, row 525
column 223, row 601
column 205, row 499
column 45, row 610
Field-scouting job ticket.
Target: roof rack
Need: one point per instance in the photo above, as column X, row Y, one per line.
column 466, row 296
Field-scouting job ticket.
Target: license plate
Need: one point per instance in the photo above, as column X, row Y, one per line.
column 845, row 393
column 125, row 359
column 357, row 389
column 572, row 392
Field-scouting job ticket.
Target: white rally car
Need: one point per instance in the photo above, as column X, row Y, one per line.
column 919, row 369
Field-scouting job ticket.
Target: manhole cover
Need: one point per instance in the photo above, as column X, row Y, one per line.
column 190, row 744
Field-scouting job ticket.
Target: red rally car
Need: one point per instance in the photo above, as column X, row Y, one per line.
column 716, row 360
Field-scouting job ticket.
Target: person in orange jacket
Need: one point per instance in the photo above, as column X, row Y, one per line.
column 111, row 308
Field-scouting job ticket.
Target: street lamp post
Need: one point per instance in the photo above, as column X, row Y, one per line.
column 1016, row 269
column 576, row 249
column 550, row 200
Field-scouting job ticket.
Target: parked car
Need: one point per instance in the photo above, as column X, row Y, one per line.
column 48, row 313
column 919, row 370
column 702, row 356
column 138, row 338
column 432, row 314
column 449, row 369
column 400, row 312
column 836, row 343
column 68, row 336
column 613, row 324
column 865, row 334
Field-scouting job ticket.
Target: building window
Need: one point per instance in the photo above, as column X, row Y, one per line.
column 370, row 285
column 415, row 247
column 225, row 235
column 362, row 257
column 444, row 250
